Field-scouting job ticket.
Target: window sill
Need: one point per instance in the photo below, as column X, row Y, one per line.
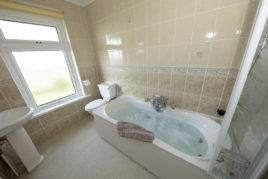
column 43, row 112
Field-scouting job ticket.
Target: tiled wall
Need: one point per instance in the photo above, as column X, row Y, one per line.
column 196, row 89
column 51, row 123
column 172, row 47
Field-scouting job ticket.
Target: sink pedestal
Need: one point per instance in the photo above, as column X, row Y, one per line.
column 25, row 149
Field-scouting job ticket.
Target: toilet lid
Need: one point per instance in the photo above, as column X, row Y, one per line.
column 94, row 104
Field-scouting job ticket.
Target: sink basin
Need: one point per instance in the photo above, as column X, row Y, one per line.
column 11, row 127
column 12, row 119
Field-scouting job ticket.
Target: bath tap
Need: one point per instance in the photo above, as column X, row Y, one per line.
column 159, row 103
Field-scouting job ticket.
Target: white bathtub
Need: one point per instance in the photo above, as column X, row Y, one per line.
column 162, row 159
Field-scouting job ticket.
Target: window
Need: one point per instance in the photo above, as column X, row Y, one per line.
column 38, row 55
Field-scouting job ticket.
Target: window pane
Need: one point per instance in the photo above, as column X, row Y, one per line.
column 46, row 74
column 24, row 31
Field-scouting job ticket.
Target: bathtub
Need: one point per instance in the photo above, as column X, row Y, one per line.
column 183, row 141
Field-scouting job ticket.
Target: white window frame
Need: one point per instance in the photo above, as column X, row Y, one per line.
column 64, row 45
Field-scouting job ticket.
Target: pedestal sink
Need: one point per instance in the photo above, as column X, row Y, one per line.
column 11, row 127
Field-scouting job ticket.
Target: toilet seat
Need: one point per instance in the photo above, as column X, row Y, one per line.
column 94, row 104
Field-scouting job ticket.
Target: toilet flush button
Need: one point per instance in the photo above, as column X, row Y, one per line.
column 86, row 82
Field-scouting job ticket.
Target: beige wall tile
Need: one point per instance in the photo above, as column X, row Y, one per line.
column 204, row 28
column 38, row 137
column 33, row 126
column 181, row 55
column 153, row 34
column 232, row 2
column 178, row 82
column 141, row 37
column 153, row 11
column 228, row 87
column 230, row 21
column 176, row 98
column 166, row 56
column 152, row 91
column 153, row 56
column 185, row 7
column 222, row 53
column 168, row 9
column 194, row 84
column 167, row 30
column 152, row 80
column 142, row 92
column 164, row 80
column 131, row 39
column 142, row 79
column 3, row 102
column 140, row 15
column 200, row 54
column 165, row 94
column 141, row 56
column 190, row 102
column 184, row 28
column 208, row 106
column 130, row 19
column 132, row 57
column 12, row 95
column 207, row 5
column 4, row 74
column 213, row 86
column 239, row 52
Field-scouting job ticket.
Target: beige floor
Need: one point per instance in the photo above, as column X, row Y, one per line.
column 80, row 153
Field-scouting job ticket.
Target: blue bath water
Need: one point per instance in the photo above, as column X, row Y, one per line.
column 180, row 135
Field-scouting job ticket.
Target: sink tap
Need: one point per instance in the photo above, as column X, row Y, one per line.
column 159, row 103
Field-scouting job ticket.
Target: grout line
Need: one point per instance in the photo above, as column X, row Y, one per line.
column 5, row 98
column 203, row 12
column 204, row 78
column 190, row 48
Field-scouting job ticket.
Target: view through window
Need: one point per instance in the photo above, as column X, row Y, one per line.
column 41, row 61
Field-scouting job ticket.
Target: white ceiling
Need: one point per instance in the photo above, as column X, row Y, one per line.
column 81, row 3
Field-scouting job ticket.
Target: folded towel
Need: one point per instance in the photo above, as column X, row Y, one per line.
column 133, row 131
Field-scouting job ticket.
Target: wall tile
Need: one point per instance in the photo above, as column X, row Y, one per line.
column 176, row 98
column 190, row 102
column 152, row 80
column 213, row 86
column 208, row 106
column 164, row 80
column 230, row 21
column 140, row 15
column 181, row 55
column 167, row 30
column 178, row 82
column 200, row 54
column 204, row 28
column 228, row 87
column 184, row 28
column 166, row 56
column 222, row 53
column 207, row 5
column 194, row 84
column 168, row 9
column 153, row 34
column 3, row 102
column 153, row 11
column 186, row 7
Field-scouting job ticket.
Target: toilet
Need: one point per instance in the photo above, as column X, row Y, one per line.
column 107, row 91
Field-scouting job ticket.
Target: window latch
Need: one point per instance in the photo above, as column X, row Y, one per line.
column 38, row 42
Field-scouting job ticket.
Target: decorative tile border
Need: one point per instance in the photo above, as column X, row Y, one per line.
column 177, row 70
